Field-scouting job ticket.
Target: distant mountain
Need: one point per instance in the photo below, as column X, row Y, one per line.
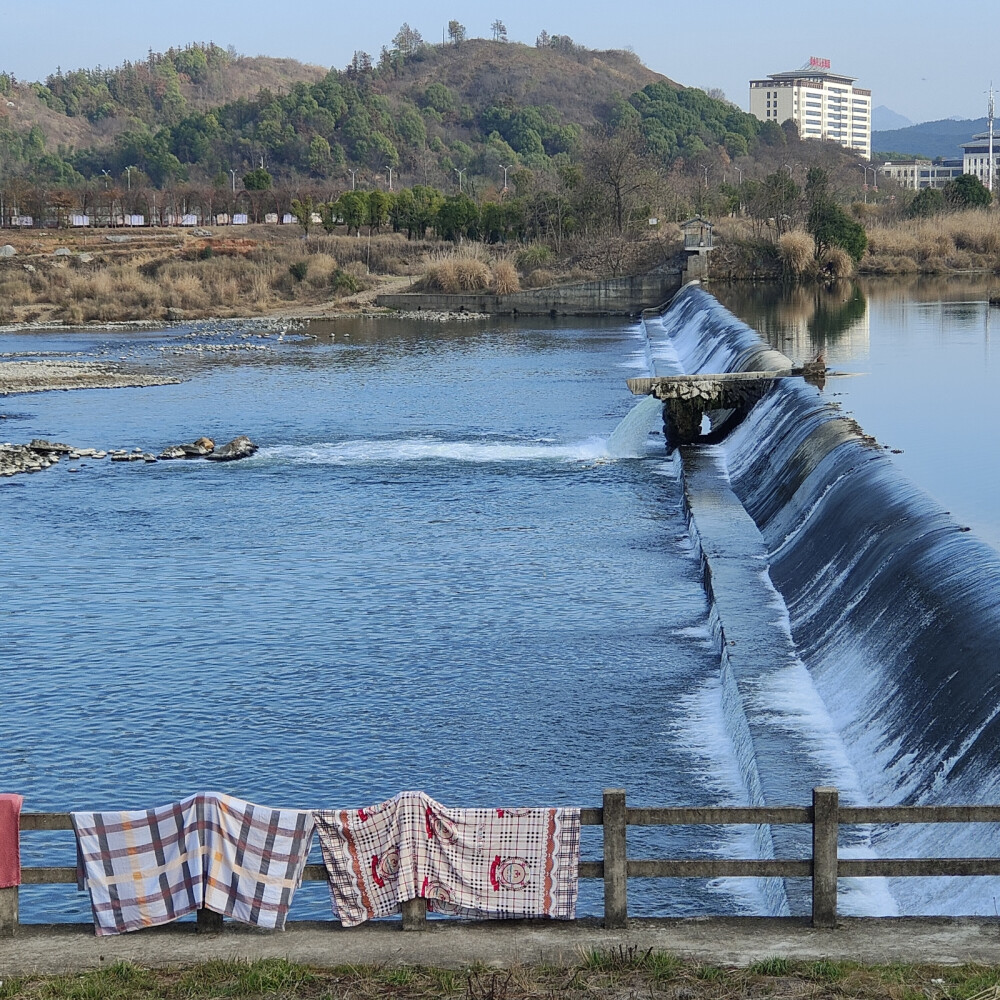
column 930, row 139
column 885, row 119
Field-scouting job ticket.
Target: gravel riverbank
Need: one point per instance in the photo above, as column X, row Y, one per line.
column 40, row 376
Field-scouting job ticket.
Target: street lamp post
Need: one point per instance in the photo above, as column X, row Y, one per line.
column 509, row 166
column 389, row 169
column 739, row 170
column 128, row 172
column 460, row 174
column 233, row 172
column 353, row 174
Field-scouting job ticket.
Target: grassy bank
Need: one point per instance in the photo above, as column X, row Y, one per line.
column 949, row 243
column 79, row 277
column 624, row 974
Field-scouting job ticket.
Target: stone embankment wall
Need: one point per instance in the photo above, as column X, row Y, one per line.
column 612, row 297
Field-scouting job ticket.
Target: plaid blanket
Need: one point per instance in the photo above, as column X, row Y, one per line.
column 494, row 863
column 149, row 867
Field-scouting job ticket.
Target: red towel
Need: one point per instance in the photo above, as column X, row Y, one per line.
column 10, row 842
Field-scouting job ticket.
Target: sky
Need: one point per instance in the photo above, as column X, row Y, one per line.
column 914, row 58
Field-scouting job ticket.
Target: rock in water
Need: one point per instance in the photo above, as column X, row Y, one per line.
column 173, row 451
column 239, row 447
column 50, row 447
column 199, row 449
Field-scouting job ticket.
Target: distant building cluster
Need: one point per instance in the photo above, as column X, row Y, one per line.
column 920, row 173
column 826, row 105
column 822, row 103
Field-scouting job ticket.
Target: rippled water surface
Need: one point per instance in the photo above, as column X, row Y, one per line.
column 431, row 576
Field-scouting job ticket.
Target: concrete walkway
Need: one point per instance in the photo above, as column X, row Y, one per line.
column 451, row 944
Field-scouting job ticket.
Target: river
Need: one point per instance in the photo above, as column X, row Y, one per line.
column 434, row 574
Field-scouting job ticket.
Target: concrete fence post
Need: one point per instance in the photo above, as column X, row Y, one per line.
column 8, row 911
column 414, row 914
column 209, row 922
column 826, row 808
column 615, row 859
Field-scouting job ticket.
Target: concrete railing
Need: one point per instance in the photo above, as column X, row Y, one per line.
column 824, row 867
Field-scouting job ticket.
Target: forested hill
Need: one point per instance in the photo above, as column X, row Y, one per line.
column 930, row 139
column 430, row 112
column 88, row 107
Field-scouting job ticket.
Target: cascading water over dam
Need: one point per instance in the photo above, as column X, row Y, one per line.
column 893, row 611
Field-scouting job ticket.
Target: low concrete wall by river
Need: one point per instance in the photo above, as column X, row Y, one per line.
column 612, row 297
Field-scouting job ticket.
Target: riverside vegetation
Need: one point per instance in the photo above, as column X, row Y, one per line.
column 557, row 162
column 619, row 974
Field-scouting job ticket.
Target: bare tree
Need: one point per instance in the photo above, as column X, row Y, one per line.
column 616, row 164
column 499, row 31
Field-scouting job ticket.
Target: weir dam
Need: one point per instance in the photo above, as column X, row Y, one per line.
column 857, row 625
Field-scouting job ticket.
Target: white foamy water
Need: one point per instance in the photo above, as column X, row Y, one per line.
column 429, row 449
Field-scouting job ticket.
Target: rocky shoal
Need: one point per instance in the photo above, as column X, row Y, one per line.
column 40, row 376
column 40, row 454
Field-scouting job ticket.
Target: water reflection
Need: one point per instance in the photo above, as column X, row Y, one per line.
column 923, row 345
column 804, row 321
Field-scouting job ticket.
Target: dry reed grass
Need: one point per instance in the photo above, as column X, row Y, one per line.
column 838, row 263
column 797, row 250
column 952, row 240
column 540, row 277
column 322, row 268
column 505, row 279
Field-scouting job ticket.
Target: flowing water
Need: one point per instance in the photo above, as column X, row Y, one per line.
column 436, row 573
column 460, row 563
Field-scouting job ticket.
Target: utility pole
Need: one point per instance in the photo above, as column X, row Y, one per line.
column 389, row 169
column 510, row 166
column 460, row 173
column 233, row 172
column 353, row 174
column 989, row 117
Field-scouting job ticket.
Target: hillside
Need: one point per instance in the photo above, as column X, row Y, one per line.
column 930, row 139
column 89, row 107
column 434, row 114
column 581, row 84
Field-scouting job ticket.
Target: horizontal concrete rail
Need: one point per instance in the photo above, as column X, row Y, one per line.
column 824, row 867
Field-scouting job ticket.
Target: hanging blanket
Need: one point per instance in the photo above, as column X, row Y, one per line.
column 494, row 863
column 10, row 840
column 149, row 867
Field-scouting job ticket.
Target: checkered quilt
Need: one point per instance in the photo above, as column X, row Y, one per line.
column 494, row 863
column 152, row 866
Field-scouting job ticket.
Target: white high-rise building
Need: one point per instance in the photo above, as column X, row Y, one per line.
column 976, row 158
column 823, row 104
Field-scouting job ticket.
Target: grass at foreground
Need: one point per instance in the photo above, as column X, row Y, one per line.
column 623, row 974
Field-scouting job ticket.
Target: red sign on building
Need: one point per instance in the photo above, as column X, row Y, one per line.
column 817, row 63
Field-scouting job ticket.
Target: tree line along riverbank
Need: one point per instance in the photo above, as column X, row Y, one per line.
column 91, row 277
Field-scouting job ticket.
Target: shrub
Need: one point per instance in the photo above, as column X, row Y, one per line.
column 505, row 280
column 797, row 249
column 299, row 269
column 344, row 283
column 533, row 256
